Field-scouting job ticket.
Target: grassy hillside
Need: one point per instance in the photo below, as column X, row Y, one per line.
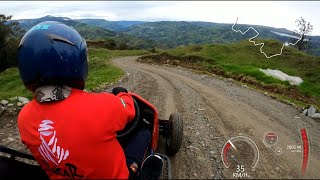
column 100, row 71
column 100, row 68
column 168, row 34
column 92, row 32
column 244, row 59
column 85, row 30
column 97, row 29
column 111, row 25
column 171, row 34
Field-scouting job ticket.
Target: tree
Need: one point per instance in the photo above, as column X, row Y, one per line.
column 304, row 30
column 10, row 32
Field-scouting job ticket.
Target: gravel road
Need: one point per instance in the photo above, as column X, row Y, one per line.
column 216, row 110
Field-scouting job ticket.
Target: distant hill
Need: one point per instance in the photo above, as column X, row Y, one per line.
column 87, row 31
column 91, row 32
column 170, row 34
column 111, row 25
column 175, row 33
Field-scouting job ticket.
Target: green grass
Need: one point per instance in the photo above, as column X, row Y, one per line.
column 278, row 96
column 11, row 84
column 245, row 58
column 100, row 68
column 100, row 71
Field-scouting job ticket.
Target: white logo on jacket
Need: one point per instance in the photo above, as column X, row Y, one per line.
column 50, row 151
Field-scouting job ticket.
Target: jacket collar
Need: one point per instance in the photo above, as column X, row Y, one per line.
column 51, row 93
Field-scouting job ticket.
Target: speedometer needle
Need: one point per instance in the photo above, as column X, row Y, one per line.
column 233, row 146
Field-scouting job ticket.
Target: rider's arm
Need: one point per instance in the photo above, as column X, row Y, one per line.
column 124, row 110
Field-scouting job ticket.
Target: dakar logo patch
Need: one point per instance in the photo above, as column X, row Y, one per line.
column 50, row 150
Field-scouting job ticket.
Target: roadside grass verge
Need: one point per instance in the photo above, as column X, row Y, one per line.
column 11, row 84
column 100, row 68
column 100, row 71
column 242, row 61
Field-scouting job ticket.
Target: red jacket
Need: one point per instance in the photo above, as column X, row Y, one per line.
column 76, row 137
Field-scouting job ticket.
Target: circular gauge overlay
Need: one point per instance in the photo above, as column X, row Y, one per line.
column 270, row 139
column 240, row 151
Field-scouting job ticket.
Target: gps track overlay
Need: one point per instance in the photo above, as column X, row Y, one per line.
column 262, row 44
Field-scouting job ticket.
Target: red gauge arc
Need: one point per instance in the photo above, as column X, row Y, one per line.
column 232, row 144
column 305, row 154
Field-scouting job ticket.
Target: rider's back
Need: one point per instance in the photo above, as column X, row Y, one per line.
column 76, row 137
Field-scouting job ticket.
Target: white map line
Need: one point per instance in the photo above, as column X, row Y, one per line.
column 262, row 44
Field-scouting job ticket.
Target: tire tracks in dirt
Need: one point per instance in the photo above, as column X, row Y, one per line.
column 211, row 118
column 207, row 131
column 172, row 90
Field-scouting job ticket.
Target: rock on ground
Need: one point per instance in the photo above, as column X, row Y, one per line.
column 316, row 116
column 4, row 102
column 311, row 111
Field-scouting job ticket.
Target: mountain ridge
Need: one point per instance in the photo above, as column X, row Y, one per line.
column 171, row 34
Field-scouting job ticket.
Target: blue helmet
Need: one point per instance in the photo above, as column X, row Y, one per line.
column 52, row 53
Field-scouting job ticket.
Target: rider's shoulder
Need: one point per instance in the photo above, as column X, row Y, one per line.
column 93, row 95
column 27, row 109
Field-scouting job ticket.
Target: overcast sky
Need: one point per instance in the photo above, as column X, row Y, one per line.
column 269, row 13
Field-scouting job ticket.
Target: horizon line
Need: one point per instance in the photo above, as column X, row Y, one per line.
column 159, row 21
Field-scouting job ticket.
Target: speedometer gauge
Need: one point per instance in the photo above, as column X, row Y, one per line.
column 240, row 153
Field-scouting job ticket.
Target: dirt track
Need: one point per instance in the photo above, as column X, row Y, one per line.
column 215, row 111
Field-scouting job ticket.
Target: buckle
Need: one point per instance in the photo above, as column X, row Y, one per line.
column 134, row 167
